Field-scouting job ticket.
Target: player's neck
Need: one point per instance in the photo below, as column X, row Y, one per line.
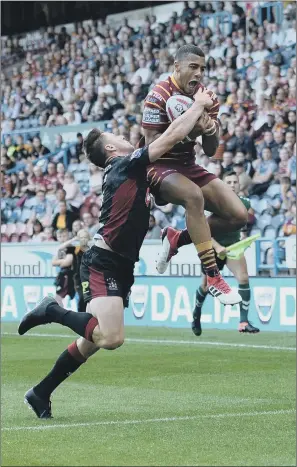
column 175, row 81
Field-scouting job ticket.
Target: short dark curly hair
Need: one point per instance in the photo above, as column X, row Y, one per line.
column 94, row 148
column 187, row 50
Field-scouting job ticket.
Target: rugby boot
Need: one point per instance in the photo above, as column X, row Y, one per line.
column 246, row 326
column 170, row 238
column 37, row 316
column 41, row 407
column 219, row 289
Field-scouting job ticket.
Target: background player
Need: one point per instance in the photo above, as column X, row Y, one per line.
column 107, row 268
column 237, row 267
column 64, row 259
column 175, row 178
column 84, row 239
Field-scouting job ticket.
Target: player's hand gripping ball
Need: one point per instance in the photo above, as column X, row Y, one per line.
column 179, row 104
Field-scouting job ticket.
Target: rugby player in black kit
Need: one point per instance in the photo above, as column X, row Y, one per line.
column 107, row 267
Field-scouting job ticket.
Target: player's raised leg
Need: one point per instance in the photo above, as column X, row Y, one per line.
column 94, row 326
column 229, row 214
column 178, row 189
column 239, row 269
column 103, row 329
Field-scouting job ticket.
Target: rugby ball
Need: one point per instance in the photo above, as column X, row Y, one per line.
column 175, row 107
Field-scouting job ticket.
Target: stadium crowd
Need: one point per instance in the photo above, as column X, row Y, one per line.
column 98, row 73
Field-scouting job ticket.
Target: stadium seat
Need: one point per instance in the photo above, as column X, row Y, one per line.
column 29, row 229
column 274, row 190
column 263, row 221
column 20, row 228
column 14, row 238
column 4, row 238
column 26, row 213
column 269, row 232
column 280, row 231
column 263, row 206
column 254, row 202
column 255, row 231
column 265, row 245
column 277, row 221
column 11, row 229
column 24, row 237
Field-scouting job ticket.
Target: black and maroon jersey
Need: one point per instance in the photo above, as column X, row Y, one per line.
column 125, row 208
column 155, row 117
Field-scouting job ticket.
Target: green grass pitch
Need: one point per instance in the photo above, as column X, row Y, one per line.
column 189, row 401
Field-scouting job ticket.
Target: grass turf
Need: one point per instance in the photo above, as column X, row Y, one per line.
column 130, row 407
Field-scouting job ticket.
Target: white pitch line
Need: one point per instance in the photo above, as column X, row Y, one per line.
column 149, row 420
column 168, row 341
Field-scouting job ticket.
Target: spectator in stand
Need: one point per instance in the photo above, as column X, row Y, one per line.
column 154, row 230
column 73, row 194
column 90, row 223
column 40, row 206
column 38, row 232
column 79, row 145
column 283, row 164
column 72, row 116
column 76, row 227
column 95, row 211
column 288, row 196
column 38, row 149
column 48, row 234
column 241, row 142
column 227, row 163
column 64, row 218
column 96, row 179
column 60, row 173
column 264, row 172
column 36, row 181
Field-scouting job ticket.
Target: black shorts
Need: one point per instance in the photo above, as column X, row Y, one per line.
column 104, row 273
column 220, row 263
column 64, row 284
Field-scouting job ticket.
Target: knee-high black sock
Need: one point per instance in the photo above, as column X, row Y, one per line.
column 81, row 323
column 68, row 362
column 245, row 293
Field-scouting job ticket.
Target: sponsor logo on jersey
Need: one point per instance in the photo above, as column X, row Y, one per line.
column 111, row 283
column 156, row 96
column 151, row 117
column 136, row 154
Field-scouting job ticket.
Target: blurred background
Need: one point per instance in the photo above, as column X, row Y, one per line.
column 68, row 66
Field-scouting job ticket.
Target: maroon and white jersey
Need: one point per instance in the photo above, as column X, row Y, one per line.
column 155, row 117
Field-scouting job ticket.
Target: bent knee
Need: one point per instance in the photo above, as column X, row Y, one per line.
column 194, row 198
column 239, row 218
column 112, row 342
